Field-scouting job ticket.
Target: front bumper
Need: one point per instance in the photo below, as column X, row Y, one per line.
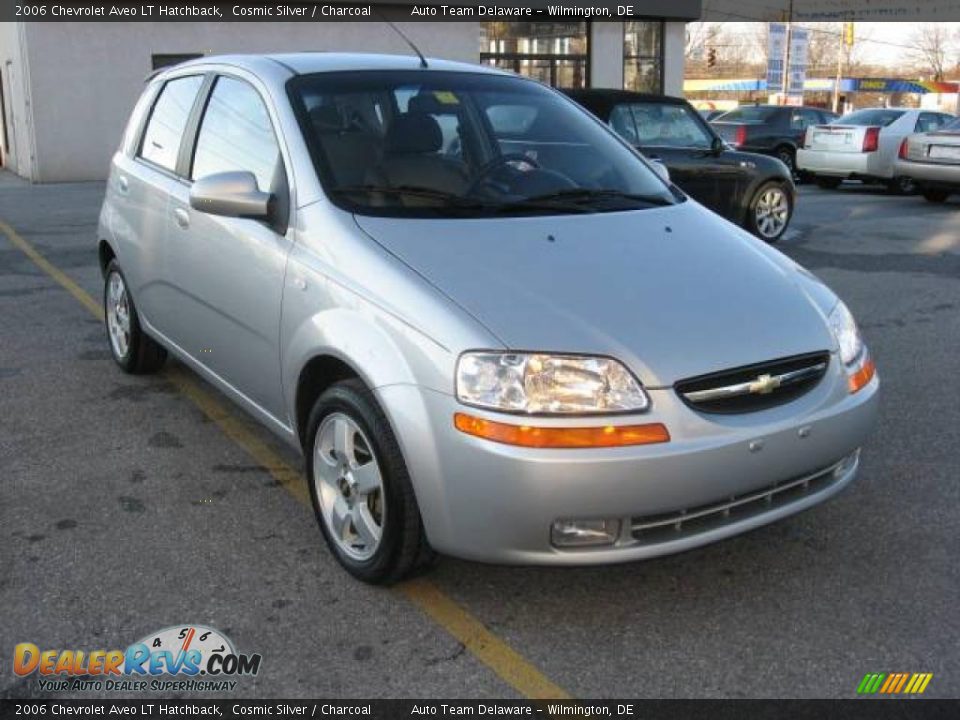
column 492, row 502
column 932, row 173
column 839, row 164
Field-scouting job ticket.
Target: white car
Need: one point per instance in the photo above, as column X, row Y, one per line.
column 932, row 160
column 863, row 145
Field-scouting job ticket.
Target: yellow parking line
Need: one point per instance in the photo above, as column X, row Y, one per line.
column 493, row 652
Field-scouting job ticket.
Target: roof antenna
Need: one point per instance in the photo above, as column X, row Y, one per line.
column 423, row 60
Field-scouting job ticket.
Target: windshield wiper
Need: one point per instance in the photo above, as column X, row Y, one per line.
column 455, row 200
column 459, row 202
column 577, row 195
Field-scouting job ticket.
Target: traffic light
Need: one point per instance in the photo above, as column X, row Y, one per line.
column 848, row 34
column 712, row 57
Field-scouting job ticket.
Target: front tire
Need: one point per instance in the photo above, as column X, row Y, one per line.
column 131, row 348
column 360, row 488
column 770, row 212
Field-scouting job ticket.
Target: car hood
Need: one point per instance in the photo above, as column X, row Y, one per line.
column 673, row 292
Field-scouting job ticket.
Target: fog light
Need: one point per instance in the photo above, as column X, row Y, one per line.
column 582, row 533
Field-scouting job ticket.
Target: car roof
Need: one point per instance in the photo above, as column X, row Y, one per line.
column 301, row 63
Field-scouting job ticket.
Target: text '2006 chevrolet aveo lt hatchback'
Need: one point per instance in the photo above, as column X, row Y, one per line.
column 493, row 330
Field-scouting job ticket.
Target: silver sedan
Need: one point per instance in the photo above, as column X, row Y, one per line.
column 932, row 160
column 491, row 327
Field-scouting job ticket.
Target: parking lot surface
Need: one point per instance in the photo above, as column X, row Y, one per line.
column 129, row 504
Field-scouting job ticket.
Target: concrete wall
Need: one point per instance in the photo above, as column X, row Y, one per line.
column 86, row 77
column 18, row 150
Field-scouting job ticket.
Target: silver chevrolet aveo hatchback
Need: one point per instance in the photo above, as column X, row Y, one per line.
column 492, row 328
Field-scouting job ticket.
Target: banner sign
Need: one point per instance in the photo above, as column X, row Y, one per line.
column 776, row 47
column 799, row 43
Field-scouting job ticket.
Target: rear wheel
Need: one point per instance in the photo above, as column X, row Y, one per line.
column 787, row 156
column 361, row 491
column 902, row 185
column 934, row 195
column 770, row 212
column 828, row 183
column 132, row 349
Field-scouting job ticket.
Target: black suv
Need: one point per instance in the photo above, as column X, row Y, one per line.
column 750, row 190
column 776, row 130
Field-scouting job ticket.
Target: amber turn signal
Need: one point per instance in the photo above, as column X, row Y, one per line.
column 862, row 376
column 561, row 437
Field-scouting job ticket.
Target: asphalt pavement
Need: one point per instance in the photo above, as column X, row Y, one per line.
column 128, row 505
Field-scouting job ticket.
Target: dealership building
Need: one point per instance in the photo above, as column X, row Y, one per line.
column 68, row 88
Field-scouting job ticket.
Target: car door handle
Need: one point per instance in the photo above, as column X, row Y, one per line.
column 182, row 217
column 122, row 184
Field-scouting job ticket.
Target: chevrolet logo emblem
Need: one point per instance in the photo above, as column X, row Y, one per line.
column 764, row 385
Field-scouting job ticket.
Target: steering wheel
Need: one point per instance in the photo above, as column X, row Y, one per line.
column 484, row 173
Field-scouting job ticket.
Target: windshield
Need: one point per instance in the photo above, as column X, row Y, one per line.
column 442, row 144
column 953, row 125
column 749, row 114
column 668, row 124
column 877, row 116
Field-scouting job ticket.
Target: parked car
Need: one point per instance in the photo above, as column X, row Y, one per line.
column 863, row 145
column 775, row 130
column 751, row 190
column 932, row 160
column 490, row 327
column 709, row 115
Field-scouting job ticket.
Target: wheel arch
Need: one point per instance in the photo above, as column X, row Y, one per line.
column 105, row 253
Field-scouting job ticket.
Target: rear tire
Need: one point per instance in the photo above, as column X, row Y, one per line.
column 360, row 488
column 788, row 157
column 902, row 185
column 828, row 183
column 934, row 195
column 131, row 348
column 770, row 212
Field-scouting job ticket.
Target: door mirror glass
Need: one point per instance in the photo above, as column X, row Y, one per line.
column 231, row 194
column 661, row 170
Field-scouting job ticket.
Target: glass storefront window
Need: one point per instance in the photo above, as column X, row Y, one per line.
column 642, row 56
column 553, row 52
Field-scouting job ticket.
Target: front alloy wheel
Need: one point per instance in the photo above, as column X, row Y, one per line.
column 360, row 488
column 770, row 212
column 349, row 487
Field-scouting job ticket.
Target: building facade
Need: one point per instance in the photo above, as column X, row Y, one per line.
column 66, row 89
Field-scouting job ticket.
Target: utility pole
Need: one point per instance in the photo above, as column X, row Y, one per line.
column 846, row 41
column 786, row 53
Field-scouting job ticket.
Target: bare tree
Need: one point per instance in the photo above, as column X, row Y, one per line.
column 933, row 48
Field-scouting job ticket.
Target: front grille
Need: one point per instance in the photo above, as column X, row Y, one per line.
column 754, row 387
column 654, row 529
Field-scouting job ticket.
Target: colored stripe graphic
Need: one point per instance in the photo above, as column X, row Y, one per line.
column 894, row 683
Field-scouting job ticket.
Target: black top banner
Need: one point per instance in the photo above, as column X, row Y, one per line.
column 474, row 10
column 887, row 709
column 372, row 10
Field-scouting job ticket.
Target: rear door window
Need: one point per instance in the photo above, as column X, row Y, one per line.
column 236, row 134
column 164, row 131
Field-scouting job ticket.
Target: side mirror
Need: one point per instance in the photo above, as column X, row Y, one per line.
column 661, row 170
column 717, row 146
column 232, row 194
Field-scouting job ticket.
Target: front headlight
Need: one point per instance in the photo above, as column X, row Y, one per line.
column 537, row 383
column 845, row 330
